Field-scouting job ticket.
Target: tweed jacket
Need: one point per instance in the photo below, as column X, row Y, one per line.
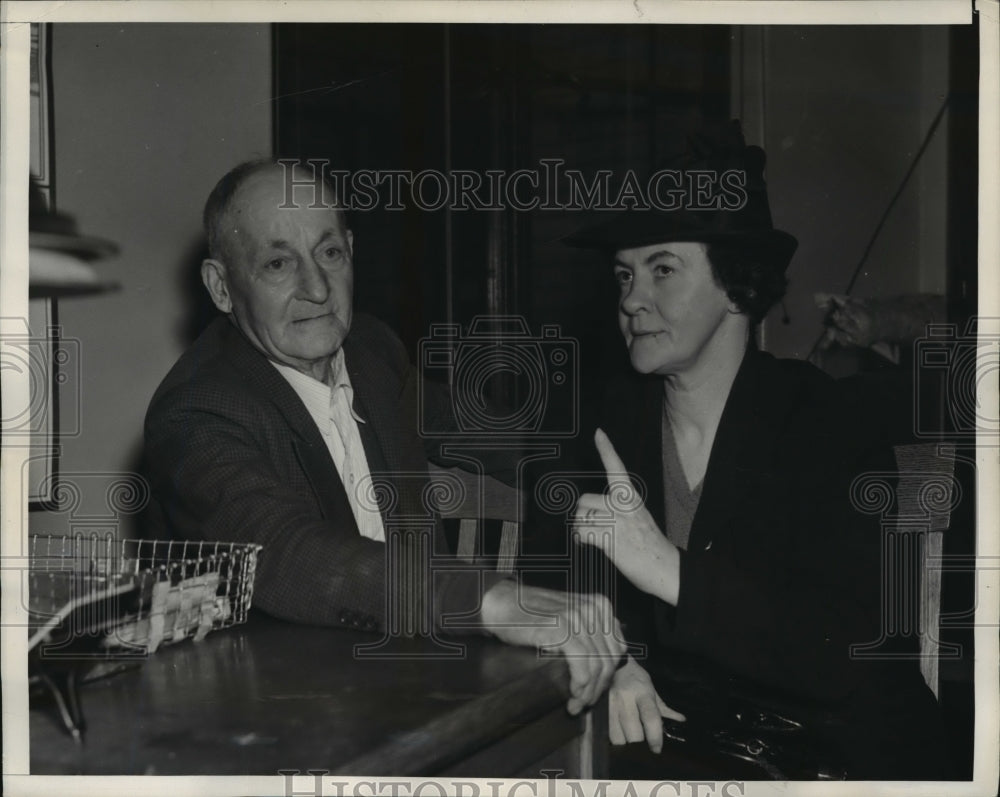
column 782, row 574
column 233, row 455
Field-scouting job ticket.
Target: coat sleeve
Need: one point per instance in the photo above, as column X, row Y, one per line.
column 214, row 478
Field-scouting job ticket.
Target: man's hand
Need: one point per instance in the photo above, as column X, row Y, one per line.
column 636, row 711
column 620, row 525
column 849, row 321
column 582, row 627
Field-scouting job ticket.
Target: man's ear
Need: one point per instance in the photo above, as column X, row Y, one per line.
column 213, row 274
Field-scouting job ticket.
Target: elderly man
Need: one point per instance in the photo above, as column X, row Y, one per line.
column 269, row 428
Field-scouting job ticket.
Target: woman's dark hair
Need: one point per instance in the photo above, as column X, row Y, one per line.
column 749, row 275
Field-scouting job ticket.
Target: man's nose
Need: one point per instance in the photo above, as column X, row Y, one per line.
column 313, row 283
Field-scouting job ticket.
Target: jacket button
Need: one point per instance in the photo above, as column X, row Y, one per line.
column 370, row 624
column 343, row 618
column 707, row 547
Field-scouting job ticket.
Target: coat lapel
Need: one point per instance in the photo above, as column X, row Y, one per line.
column 649, row 458
column 634, row 412
column 743, row 446
column 307, row 442
column 391, row 447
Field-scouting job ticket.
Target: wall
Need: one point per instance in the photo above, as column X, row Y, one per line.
column 146, row 119
column 841, row 112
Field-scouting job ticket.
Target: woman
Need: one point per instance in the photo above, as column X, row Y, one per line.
column 748, row 566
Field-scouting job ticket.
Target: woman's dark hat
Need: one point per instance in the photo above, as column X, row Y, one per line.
column 712, row 192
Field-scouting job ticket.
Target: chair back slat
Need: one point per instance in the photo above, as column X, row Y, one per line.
column 468, row 538
column 924, row 500
column 509, row 533
column 483, row 499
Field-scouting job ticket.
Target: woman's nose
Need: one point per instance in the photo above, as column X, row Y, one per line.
column 635, row 299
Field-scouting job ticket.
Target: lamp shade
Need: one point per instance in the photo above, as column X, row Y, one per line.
column 59, row 257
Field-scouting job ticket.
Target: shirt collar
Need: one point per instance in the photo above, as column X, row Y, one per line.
column 318, row 396
column 341, row 379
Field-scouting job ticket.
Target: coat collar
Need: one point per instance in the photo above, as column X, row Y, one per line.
column 758, row 401
column 265, row 379
column 393, row 448
column 744, row 443
column 387, row 434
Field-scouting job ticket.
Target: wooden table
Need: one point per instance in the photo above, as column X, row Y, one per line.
column 270, row 696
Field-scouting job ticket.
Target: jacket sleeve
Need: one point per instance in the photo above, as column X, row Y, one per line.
column 214, row 479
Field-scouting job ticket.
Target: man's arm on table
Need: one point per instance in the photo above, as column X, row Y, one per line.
column 214, row 480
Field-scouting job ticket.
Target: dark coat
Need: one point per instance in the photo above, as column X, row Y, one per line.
column 233, row 455
column 782, row 573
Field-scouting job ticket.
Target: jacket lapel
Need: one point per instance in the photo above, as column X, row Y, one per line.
column 649, row 458
column 743, row 446
column 391, row 447
column 633, row 414
column 307, row 442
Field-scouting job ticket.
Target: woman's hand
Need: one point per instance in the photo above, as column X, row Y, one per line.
column 635, row 710
column 620, row 525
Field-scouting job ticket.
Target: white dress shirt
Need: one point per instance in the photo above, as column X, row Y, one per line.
column 332, row 408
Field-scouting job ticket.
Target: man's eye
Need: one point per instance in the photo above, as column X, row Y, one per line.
column 275, row 265
column 662, row 271
column 332, row 252
column 623, row 277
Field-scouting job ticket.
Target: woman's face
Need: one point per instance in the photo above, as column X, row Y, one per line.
column 671, row 310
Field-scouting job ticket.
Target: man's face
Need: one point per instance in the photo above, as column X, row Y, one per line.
column 670, row 308
column 289, row 274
